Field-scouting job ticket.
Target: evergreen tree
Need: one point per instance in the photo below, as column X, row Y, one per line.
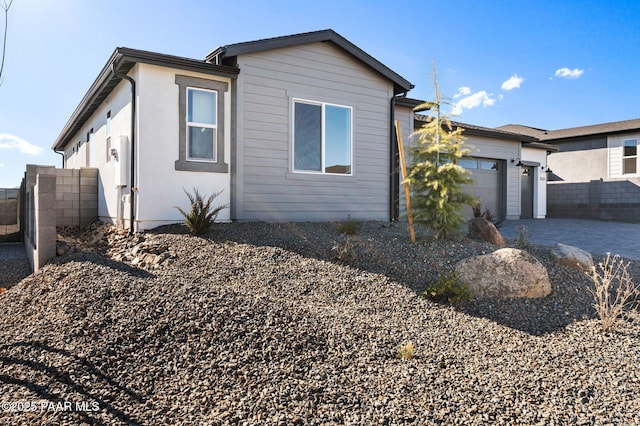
column 436, row 179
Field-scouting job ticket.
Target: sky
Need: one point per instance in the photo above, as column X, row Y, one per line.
column 548, row 64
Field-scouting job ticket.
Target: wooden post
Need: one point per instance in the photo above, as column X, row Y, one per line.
column 403, row 167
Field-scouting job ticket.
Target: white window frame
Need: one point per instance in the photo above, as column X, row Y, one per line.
column 625, row 157
column 323, row 106
column 213, row 127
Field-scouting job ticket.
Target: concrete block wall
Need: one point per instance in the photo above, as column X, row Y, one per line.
column 56, row 198
column 9, row 224
column 76, row 196
column 617, row 200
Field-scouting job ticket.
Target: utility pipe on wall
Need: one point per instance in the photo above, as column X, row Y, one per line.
column 133, row 145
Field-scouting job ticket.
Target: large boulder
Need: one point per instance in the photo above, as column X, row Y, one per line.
column 506, row 272
column 479, row 227
column 573, row 257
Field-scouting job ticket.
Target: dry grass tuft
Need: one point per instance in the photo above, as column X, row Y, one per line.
column 613, row 292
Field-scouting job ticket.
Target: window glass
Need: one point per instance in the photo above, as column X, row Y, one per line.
column 489, row 165
column 322, row 138
column 337, row 139
column 630, row 156
column 201, row 142
column 202, row 107
column 308, row 137
column 201, row 124
column 468, row 163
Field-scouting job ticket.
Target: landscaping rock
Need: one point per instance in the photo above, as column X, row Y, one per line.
column 257, row 324
column 507, row 272
column 62, row 248
column 479, row 227
column 573, row 257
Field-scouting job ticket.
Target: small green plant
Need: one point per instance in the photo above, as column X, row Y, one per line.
column 448, row 289
column 613, row 292
column 406, row 350
column 202, row 213
column 349, row 226
column 522, row 237
column 344, row 251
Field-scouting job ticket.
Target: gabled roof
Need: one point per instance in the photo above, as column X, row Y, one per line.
column 576, row 132
column 123, row 59
column 231, row 50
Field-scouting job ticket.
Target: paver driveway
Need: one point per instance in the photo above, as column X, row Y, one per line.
column 596, row 237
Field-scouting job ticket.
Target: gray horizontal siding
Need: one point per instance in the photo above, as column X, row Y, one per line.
column 266, row 188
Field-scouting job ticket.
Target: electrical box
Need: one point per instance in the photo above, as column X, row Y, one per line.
column 121, row 161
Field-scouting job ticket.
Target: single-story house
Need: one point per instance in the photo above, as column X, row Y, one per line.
column 595, row 174
column 291, row 128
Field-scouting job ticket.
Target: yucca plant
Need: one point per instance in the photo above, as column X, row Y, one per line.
column 202, row 213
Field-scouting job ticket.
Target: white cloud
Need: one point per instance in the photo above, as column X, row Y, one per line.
column 462, row 91
column 1, row 164
column 513, row 82
column 472, row 101
column 8, row 141
column 567, row 73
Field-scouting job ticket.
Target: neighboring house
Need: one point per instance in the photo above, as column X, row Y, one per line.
column 295, row 128
column 595, row 173
column 508, row 169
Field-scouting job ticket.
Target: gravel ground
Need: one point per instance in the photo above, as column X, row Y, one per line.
column 260, row 324
column 12, row 271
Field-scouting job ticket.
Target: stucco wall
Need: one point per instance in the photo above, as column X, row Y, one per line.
column 118, row 103
column 159, row 185
column 587, row 180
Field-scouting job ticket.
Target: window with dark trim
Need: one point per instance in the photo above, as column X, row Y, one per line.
column 201, row 125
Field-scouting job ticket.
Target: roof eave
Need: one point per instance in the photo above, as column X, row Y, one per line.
column 401, row 85
column 124, row 60
column 542, row 146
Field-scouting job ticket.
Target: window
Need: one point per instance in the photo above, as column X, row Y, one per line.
column 201, row 125
column 468, row 163
column 322, row 138
column 630, row 156
column 108, row 131
column 488, row 165
column 88, row 148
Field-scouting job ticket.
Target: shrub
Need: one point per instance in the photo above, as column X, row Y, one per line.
column 201, row 213
column 349, row 226
column 406, row 350
column 448, row 289
column 344, row 251
column 614, row 290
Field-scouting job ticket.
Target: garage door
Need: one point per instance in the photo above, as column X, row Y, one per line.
column 487, row 183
